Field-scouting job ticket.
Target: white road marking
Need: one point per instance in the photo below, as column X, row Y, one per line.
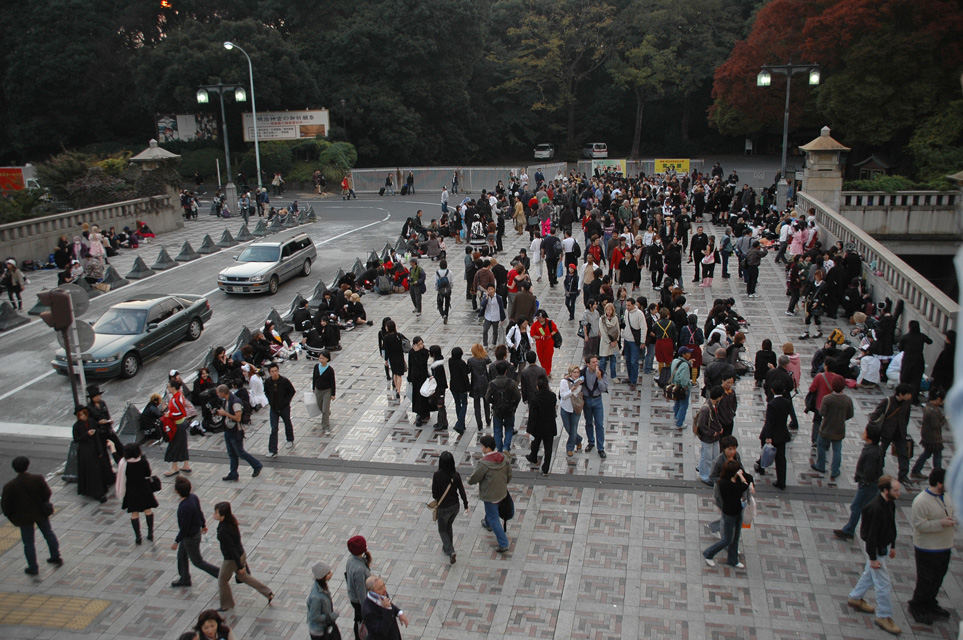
column 27, row 384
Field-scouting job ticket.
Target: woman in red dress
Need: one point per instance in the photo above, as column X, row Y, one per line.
column 543, row 332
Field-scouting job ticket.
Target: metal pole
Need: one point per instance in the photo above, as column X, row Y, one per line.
column 70, row 366
column 227, row 145
column 257, row 148
column 785, row 124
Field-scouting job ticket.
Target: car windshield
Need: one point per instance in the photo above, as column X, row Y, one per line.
column 122, row 322
column 259, row 254
column 544, row 147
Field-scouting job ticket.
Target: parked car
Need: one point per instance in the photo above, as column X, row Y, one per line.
column 263, row 266
column 140, row 328
column 595, row 150
column 545, row 151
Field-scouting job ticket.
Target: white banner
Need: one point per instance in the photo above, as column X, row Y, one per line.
column 287, row 125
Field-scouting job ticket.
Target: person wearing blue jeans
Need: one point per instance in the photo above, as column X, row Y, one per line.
column 631, row 352
column 593, row 387
column 879, row 533
column 504, row 396
column 23, row 502
column 710, row 431
column 504, row 429
column 833, row 409
column 648, row 363
column 569, row 389
column 734, row 483
column 461, row 410
column 492, row 475
column 822, row 446
column 633, row 340
column 681, row 376
column 869, row 468
column 234, row 435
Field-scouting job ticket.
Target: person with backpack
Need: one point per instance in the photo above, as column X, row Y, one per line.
column 232, row 411
column 443, row 278
column 492, row 475
column 503, row 396
column 551, row 252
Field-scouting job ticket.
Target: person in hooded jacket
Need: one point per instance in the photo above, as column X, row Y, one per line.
column 944, row 368
column 912, row 344
column 492, row 473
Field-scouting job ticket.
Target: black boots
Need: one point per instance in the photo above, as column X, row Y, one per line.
column 135, row 523
column 150, row 526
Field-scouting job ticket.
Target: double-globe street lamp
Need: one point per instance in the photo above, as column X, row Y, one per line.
column 240, row 95
column 250, row 70
column 764, row 79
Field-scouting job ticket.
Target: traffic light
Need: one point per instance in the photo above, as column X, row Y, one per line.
column 61, row 313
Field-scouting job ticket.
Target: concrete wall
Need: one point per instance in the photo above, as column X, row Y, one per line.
column 904, row 213
column 36, row 239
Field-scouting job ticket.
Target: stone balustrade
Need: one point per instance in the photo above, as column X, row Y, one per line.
column 904, row 215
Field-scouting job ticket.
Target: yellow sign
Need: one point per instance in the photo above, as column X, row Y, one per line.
column 664, row 165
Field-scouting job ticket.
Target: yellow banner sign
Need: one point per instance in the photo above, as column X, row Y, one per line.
column 664, row 165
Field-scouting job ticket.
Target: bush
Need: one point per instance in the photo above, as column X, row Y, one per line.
column 20, row 205
column 97, row 188
column 339, row 155
column 60, row 170
column 302, row 172
column 114, row 167
column 202, row 160
column 889, row 184
column 275, row 156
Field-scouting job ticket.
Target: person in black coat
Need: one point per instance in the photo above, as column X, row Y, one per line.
column 26, row 502
column 459, row 385
column 542, row 423
column 380, row 615
column 135, row 491
column 280, row 392
column 417, row 374
column 301, row 315
column 944, row 368
column 394, row 354
column 912, row 345
column 100, row 418
column 235, row 558
column 780, row 417
column 446, row 487
column 437, row 400
column 94, row 472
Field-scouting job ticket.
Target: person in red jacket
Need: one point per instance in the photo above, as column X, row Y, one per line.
column 822, row 385
column 543, row 332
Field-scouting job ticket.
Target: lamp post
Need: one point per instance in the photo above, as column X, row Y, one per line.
column 764, row 79
column 250, row 70
column 344, row 118
column 240, row 95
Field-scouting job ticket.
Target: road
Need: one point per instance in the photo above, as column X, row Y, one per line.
column 33, row 395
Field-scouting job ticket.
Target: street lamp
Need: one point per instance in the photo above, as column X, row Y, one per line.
column 250, row 70
column 204, row 97
column 344, row 118
column 764, row 79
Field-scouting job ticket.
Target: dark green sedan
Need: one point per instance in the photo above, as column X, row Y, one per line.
column 140, row 328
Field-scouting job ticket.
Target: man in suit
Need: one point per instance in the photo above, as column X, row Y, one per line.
column 26, row 502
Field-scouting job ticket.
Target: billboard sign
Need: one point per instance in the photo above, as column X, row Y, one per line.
column 599, row 167
column 287, row 125
column 12, row 179
column 186, row 127
column 679, row 165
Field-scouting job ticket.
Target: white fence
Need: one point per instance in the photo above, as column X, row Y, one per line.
column 432, row 179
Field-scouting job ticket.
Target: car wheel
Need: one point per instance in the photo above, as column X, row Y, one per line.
column 129, row 365
column 273, row 285
column 194, row 329
column 306, row 270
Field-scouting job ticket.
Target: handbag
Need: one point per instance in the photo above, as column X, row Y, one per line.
column 47, row 508
column 433, row 505
column 532, row 221
column 578, row 403
column 709, row 259
column 768, row 455
column 155, row 484
column 581, row 331
column 428, row 387
column 748, row 513
column 557, row 339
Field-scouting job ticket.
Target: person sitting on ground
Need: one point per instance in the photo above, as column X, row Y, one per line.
column 355, row 313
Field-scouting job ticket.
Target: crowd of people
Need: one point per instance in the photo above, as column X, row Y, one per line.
column 596, row 237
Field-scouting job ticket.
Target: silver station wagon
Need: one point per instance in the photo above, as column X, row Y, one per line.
column 263, row 266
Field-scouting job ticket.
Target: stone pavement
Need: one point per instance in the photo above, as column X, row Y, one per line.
column 600, row 549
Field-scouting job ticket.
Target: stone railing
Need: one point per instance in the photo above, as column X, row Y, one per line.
column 36, row 238
column 922, row 199
column 922, row 215
column 889, row 275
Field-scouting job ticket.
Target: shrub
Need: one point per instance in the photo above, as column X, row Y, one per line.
column 97, row 188
column 889, row 184
column 203, row 160
column 60, row 170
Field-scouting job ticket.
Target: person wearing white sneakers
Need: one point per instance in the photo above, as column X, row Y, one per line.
column 733, row 484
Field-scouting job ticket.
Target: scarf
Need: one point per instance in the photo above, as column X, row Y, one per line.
column 120, row 485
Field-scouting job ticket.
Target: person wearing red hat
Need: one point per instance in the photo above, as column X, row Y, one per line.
column 356, row 571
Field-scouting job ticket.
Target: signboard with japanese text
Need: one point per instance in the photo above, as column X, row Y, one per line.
column 600, row 167
column 12, row 179
column 664, row 165
column 186, row 127
column 287, row 125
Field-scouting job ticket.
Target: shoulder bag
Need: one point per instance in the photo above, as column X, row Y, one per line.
column 428, row 387
column 433, row 505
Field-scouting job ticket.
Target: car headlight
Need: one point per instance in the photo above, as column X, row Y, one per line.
column 61, row 358
column 112, row 358
column 256, row 278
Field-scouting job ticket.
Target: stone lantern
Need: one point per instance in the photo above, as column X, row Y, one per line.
column 154, row 157
column 823, row 175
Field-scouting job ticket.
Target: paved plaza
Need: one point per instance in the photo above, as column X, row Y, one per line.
column 600, row 549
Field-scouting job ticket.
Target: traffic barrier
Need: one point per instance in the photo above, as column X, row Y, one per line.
column 260, row 230
column 318, row 295
column 227, row 240
column 187, row 253
column 290, row 220
column 164, row 261
column 358, row 268
column 37, row 308
column 295, row 305
column 207, row 246
column 276, row 225
column 338, row 277
column 112, row 278
column 9, row 318
column 140, row 270
column 280, row 325
column 303, row 217
column 83, row 284
column 312, row 217
column 245, row 235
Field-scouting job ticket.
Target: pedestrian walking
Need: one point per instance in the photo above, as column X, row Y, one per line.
column 492, row 475
column 780, row 419
column 322, row 617
column 708, row 428
column 594, row 384
column 633, row 340
column 134, row 487
column 26, row 502
column 279, row 392
column 176, row 417
column 460, row 385
column 878, row 532
column 892, row 415
column 381, row 616
column 503, row 396
column 232, row 411
column 590, row 329
column 934, row 522
column 416, row 284
column 545, row 334
column 931, row 433
column 235, row 558
column 571, row 404
column 836, row 409
column 478, row 368
column 392, row 347
column 357, row 569
column 417, row 375
column 94, row 471
column 190, row 525
column 492, row 312
column 542, row 423
column 869, row 468
column 734, row 483
column 436, row 402
column 610, row 335
column 680, row 375
column 14, row 281
column 446, row 486
column 443, row 278
column 325, row 387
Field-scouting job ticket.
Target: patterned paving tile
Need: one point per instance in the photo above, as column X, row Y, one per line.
column 541, row 585
column 793, row 605
column 727, row 632
column 597, row 626
column 557, row 522
column 469, row 616
column 605, row 555
column 663, row 529
column 549, row 551
column 784, row 568
column 606, row 589
column 663, row 628
column 483, row 580
column 664, row 594
column 532, row 622
column 726, row 599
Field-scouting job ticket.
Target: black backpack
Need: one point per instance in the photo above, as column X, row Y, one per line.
column 444, row 285
column 576, row 250
column 501, row 401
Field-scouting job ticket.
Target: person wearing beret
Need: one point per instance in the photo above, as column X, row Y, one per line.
column 356, row 571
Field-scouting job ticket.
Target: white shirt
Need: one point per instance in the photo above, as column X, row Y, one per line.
column 648, row 238
column 535, row 251
column 784, row 232
column 634, row 319
column 492, row 313
column 524, row 177
column 565, row 393
column 568, row 244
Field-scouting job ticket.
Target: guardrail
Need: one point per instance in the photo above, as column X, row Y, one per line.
column 72, row 220
column 888, row 272
column 945, row 199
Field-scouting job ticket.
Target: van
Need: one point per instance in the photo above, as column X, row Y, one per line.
column 545, row 151
column 595, row 150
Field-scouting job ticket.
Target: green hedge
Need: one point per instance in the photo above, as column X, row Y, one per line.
column 889, row 184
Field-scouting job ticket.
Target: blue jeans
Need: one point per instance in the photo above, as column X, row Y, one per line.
column 276, row 417
column 29, row 546
column 879, row 580
column 731, row 530
column 235, row 449
column 612, row 360
column 680, row 409
column 491, row 517
column 631, row 350
column 925, row 455
column 649, row 357
column 864, row 495
column 461, row 409
column 595, row 422
column 708, row 454
column 504, row 431
column 822, row 446
column 570, row 423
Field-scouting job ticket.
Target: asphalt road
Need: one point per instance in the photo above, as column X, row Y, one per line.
column 32, row 394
